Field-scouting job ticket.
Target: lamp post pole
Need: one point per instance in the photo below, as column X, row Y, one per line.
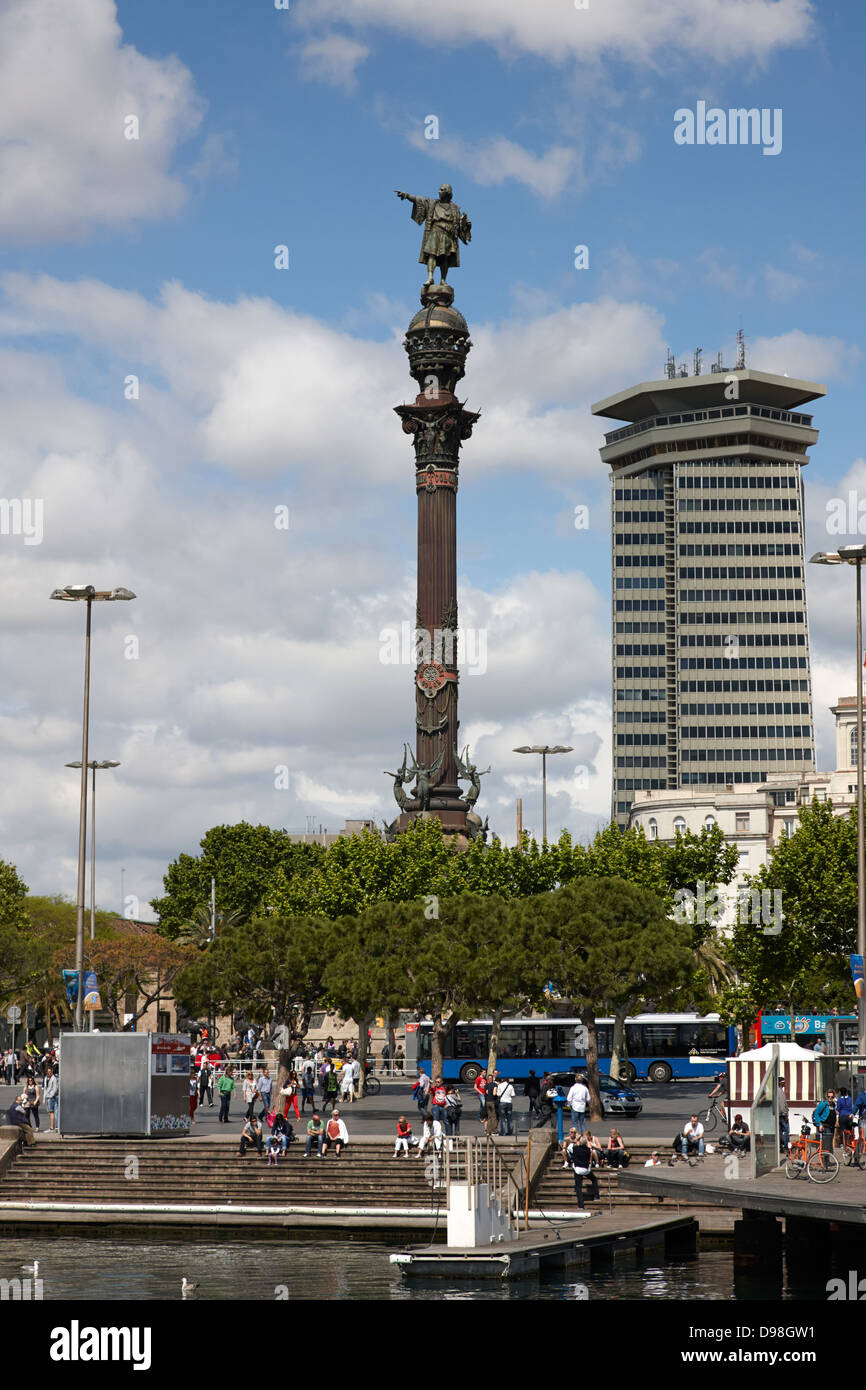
column 93, row 767
column 73, row 593
column 855, row 555
column 861, row 853
column 82, row 829
column 543, row 749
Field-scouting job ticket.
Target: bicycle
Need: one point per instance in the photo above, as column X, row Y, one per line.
column 851, row 1151
column 714, row 1114
column 821, row 1165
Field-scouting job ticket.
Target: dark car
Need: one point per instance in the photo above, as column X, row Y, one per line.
column 616, row 1098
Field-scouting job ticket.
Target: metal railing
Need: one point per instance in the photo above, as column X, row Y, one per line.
column 477, row 1159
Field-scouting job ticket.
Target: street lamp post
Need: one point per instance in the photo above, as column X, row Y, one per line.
column 93, row 766
column 544, row 749
column 855, row 555
column 76, row 593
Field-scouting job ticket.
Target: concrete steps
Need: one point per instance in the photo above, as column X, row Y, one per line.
column 212, row 1173
column 555, row 1192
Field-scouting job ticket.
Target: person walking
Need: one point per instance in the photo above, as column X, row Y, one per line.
column 347, row 1083
column 289, row 1096
column 480, row 1089
column 249, row 1094
column 265, row 1086
column 532, row 1090
column 784, row 1118
column 226, row 1087
column 308, row 1088
column 420, row 1089
column 505, row 1095
column 193, row 1096
column 824, row 1116
column 330, row 1088
column 33, row 1094
column 578, row 1099
column 580, row 1158
column 399, row 1059
column 440, row 1100
column 49, row 1092
column 453, row 1110
column 203, row 1077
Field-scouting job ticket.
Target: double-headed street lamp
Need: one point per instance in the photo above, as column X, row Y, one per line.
column 855, row 555
column 86, row 593
column 543, row 749
column 94, row 768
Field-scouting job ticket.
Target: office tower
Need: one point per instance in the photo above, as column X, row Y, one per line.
column 711, row 682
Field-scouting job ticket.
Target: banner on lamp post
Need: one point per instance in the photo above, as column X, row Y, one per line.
column 857, row 974
column 92, row 1000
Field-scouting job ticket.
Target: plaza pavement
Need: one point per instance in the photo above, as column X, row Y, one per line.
column 666, row 1109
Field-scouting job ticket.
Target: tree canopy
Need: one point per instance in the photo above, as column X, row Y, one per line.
column 806, row 963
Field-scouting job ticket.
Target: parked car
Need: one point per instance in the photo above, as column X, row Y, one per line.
column 616, row 1098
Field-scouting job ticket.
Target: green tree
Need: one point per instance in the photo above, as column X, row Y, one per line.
column 815, row 871
column 665, row 867
column 270, row 967
column 135, row 964
column 14, row 923
column 46, row 946
column 244, row 859
column 359, row 870
column 604, row 943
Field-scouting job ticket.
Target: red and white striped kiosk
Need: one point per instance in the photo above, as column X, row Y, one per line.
column 800, row 1069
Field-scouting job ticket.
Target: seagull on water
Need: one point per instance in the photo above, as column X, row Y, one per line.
column 186, row 1287
column 32, row 1269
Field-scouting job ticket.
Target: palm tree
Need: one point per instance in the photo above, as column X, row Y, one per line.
column 197, row 931
column 716, row 969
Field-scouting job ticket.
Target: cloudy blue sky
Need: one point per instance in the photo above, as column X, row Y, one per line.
column 259, row 648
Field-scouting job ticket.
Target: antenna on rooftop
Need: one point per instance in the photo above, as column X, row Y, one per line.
column 741, row 350
column 683, row 371
column 718, row 365
column 670, row 366
column 699, row 352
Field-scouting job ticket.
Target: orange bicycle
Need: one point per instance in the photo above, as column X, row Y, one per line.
column 851, row 1151
column 808, row 1155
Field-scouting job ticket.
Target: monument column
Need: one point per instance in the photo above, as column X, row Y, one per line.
column 437, row 342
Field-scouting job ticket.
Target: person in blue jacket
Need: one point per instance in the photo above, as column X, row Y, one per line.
column 824, row 1116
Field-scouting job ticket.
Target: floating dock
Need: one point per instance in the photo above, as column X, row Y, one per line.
column 553, row 1247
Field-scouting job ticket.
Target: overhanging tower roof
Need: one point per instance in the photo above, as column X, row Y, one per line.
column 696, row 392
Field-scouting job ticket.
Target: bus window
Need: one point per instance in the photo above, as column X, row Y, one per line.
column 472, row 1040
column 709, row 1039
column 604, row 1035
column 425, row 1044
column 652, row 1039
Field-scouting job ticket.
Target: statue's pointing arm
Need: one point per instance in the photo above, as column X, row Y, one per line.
column 420, row 206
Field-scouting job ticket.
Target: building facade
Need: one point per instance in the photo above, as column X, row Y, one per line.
column 711, row 682
column 754, row 817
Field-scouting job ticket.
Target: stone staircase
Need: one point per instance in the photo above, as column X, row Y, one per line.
column 554, row 1191
column 210, row 1172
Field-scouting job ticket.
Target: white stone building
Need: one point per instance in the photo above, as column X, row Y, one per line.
column 754, row 817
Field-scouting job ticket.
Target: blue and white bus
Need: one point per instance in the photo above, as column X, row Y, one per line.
column 661, row 1047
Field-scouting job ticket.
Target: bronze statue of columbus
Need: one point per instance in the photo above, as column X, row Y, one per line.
column 445, row 226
